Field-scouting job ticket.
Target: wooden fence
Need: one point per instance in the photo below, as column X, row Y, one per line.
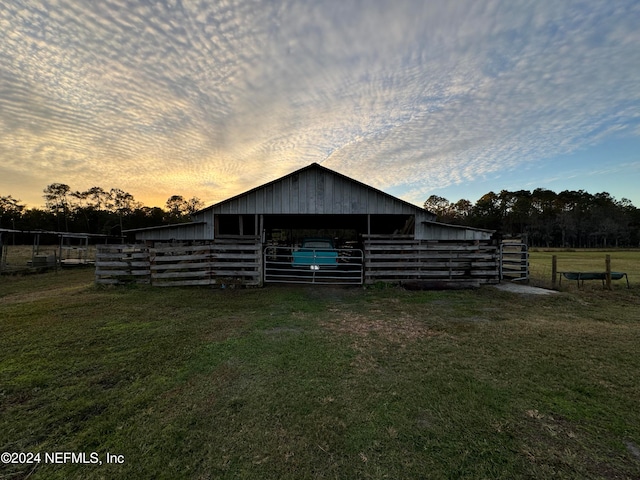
column 225, row 261
column 396, row 258
column 514, row 261
column 228, row 261
column 117, row 264
column 239, row 261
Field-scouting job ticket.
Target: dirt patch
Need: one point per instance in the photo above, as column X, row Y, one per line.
column 524, row 289
column 633, row 449
column 552, row 442
column 398, row 330
column 373, row 336
column 283, row 330
column 56, row 292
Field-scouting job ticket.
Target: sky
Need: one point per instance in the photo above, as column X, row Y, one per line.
column 211, row 98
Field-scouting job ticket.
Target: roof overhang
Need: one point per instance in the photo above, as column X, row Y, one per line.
column 319, row 167
column 164, row 227
column 460, row 227
column 60, row 234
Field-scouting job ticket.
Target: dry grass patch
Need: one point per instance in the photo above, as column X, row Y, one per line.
column 374, row 334
column 396, row 330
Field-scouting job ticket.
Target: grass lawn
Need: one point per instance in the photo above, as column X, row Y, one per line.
column 297, row 383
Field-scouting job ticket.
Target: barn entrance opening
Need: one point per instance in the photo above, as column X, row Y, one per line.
column 322, row 249
column 292, row 229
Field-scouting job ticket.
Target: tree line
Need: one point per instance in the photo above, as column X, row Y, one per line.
column 575, row 219
column 548, row 219
column 95, row 211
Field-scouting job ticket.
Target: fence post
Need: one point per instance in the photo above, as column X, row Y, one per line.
column 554, row 271
column 608, row 271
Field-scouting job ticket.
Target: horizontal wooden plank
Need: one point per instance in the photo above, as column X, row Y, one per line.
column 414, row 273
column 382, row 236
column 180, row 266
column 118, row 256
column 391, row 244
column 211, row 256
column 483, row 264
column 420, row 265
column 101, row 264
column 179, row 258
column 203, row 265
column 197, row 274
column 122, row 273
column 182, row 283
column 436, row 257
column 425, row 248
column 111, row 254
column 418, row 259
column 120, row 246
column 235, row 256
column 236, row 273
column 428, row 258
column 236, row 238
column 249, row 265
column 180, row 248
column 430, row 273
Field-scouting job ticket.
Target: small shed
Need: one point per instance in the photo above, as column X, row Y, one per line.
column 376, row 236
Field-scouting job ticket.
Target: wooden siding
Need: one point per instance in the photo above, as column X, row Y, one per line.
column 178, row 232
column 395, row 258
column 315, row 191
column 442, row 231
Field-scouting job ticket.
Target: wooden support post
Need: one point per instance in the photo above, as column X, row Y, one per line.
column 263, row 234
column 554, row 271
column 608, row 271
column 2, row 254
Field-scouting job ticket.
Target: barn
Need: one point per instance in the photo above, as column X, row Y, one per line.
column 313, row 225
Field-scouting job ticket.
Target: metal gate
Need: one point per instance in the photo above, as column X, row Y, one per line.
column 344, row 267
column 514, row 261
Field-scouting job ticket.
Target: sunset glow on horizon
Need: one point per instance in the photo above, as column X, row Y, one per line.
column 210, row 99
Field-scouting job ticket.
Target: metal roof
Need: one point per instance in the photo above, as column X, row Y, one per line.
column 164, row 227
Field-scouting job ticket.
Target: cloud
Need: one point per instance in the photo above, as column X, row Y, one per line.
column 177, row 97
